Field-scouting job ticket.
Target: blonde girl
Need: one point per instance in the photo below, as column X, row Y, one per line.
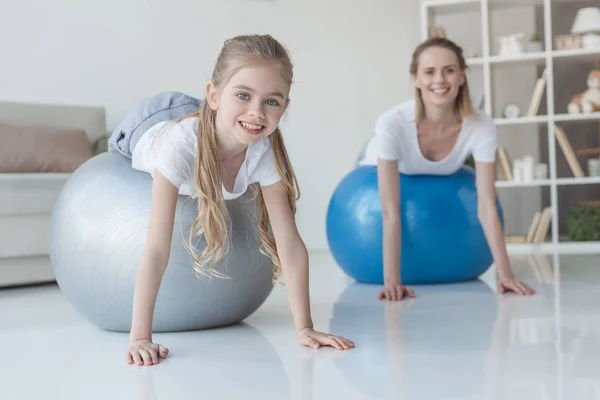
column 214, row 154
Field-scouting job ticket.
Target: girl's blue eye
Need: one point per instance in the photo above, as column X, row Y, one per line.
column 272, row 102
column 243, row 96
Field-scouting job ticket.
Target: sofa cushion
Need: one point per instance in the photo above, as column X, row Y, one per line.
column 30, row 149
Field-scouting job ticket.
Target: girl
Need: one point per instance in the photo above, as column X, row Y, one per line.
column 232, row 141
column 434, row 134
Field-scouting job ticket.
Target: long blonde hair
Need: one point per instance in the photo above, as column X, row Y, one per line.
column 464, row 105
column 213, row 222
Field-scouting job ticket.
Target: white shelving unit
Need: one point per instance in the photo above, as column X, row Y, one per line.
column 547, row 58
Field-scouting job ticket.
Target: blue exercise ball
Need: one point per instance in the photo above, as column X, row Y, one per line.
column 442, row 238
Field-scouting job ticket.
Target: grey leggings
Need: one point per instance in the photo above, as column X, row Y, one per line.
column 164, row 106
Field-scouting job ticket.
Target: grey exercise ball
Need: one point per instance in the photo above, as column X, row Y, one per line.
column 98, row 229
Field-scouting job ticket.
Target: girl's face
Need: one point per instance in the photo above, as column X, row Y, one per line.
column 251, row 104
column 439, row 77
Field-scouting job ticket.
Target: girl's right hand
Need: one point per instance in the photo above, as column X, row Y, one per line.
column 144, row 352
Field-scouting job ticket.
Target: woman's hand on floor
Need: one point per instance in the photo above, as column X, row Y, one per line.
column 144, row 352
column 395, row 292
column 311, row 338
column 514, row 285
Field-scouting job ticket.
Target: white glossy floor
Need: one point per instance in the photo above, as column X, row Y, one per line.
column 452, row 342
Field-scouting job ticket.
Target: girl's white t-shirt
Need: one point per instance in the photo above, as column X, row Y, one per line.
column 174, row 150
column 396, row 139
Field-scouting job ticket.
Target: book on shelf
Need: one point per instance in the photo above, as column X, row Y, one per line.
column 505, row 164
column 514, row 239
column 543, row 226
column 538, row 230
column 538, row 92
column 533, row 227
column 567, row 150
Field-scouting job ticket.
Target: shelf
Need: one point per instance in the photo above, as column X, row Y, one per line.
column 579, row 54
column 507, row 74
column 534, row 183
column 588, row 180
column 549, row 247
column 525, row 57
column 539, row 119
column 577, row 117
column 496, row 4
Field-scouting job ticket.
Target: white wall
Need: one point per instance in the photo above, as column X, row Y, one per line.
column 351, row 61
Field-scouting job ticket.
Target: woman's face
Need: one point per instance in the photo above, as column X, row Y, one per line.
column 438, row 76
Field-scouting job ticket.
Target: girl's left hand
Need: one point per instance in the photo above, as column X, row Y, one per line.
column 513, row 285
column 311, row 338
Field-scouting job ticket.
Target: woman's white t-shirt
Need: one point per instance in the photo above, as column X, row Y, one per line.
column 396, row 139
column 174, row 150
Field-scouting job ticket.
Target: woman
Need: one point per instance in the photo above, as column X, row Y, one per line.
column 434, row 134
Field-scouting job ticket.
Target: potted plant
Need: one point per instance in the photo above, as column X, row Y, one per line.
column 535, row 43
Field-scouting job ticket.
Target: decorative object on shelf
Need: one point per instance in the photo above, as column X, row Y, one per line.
column 587, row 24
column 583, row 221
column 437, row 31
column 588, row 101
column 518, row 170
column 534, row 44
column 561, row 137
column 538, row 92
column 511, row 111
column 594, row 167
column 541, row 171
column 526, row 170
column 567, row 42
column 511, row 45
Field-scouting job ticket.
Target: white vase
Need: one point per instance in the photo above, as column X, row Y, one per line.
column 594, row 167
column 528, row 168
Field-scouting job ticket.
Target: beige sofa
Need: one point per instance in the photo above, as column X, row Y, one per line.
column 26, row 199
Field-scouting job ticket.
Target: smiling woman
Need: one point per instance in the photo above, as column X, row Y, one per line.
column 433, row 134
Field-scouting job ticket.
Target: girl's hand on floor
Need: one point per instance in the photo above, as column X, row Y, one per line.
column 144, row 352
column 311, row 338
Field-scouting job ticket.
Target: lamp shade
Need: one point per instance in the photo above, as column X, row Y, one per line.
column 587, row 20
